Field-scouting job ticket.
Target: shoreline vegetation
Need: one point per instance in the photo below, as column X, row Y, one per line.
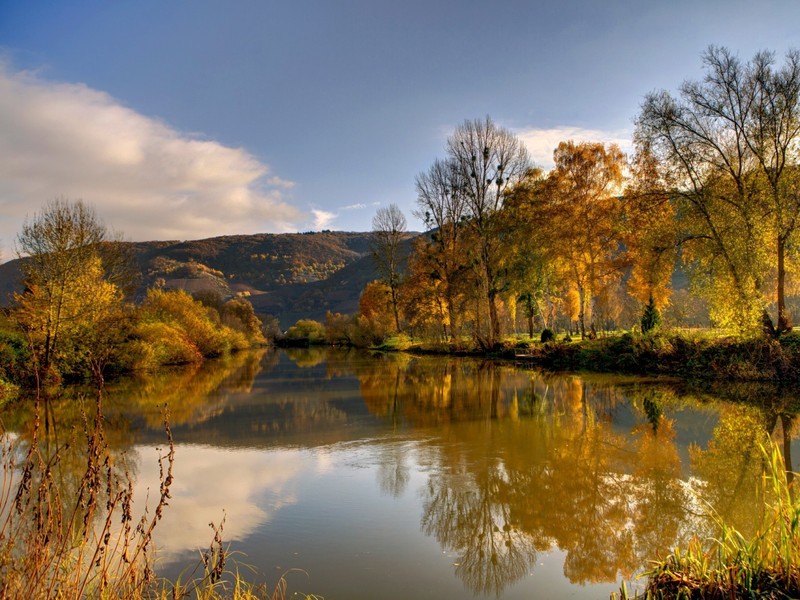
column 698, row 354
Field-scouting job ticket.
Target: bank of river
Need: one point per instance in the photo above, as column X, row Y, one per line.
column 698, row 355
column 400, row 476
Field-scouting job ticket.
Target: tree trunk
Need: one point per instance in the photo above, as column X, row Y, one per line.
column 530, row 322
column 491, row 296
column 784, row 320
column 582, row 311
column 395, row 310
column 494, row 321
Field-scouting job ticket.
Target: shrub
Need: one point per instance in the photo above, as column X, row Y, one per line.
column 651, row 317
column 197, row 323
column 339, row 328
column 15, row 356
column 8, row 391
column 238, row 314
column 307, row 329
column 547, row 335
column 159, row 343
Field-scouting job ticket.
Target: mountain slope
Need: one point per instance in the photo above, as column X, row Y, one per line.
column 291, row 276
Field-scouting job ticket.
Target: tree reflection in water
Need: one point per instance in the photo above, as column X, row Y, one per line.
column 523, row 463
column 472, row 518
column 394, row 472
column 516, row 464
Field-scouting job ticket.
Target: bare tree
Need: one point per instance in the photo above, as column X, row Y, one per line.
column 388, row 235
column 490, row 160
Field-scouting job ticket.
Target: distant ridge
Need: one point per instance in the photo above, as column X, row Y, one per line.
column 287, row 275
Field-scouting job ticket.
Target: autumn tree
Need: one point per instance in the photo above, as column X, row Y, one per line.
column 581, row 212
column 388, row 236
column 441, row 202
column 489, row 160
column 650, row 233
column 433, row 299
column 375, row 316
column 529, row 267
column 67, row 292
column 728, row 149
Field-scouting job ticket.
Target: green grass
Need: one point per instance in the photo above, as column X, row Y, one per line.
column 397, row 342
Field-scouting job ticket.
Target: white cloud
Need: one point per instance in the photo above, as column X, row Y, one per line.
column 357, row 206
column 248, row 486
column 322, row 218
column 542, row 142
column 144, row 178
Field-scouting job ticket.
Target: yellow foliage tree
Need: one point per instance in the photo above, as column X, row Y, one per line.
column 68, row 298
column 581, row 215
column 728, row 151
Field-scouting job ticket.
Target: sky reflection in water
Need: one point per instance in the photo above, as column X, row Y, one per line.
column 434, row 477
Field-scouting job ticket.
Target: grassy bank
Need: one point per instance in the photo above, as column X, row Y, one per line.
column 688, row 355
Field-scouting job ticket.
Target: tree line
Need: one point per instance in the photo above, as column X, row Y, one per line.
column 713, row 185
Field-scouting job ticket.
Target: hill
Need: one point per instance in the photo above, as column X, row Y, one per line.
column 290, row 276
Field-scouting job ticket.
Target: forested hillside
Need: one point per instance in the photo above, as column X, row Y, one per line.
column 291, row 276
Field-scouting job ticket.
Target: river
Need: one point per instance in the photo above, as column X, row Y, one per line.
column 394, row 476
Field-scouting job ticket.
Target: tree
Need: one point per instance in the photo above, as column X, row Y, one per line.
column 581, row 214
column 388, row 235
column 442, row 206
column 65, row 283
column 650, row 232
column 529, row 266
column 374, row 318
column 651, row 318
column 489, row 160
column 729, row 152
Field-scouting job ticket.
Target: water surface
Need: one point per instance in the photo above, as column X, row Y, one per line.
column 426, row 477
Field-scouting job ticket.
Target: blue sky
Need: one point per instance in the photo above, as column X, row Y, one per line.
column 182, row 120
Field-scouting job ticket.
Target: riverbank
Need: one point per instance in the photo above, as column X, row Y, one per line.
column 690, row 356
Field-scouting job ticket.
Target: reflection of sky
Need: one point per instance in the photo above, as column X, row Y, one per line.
column 247, row 487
